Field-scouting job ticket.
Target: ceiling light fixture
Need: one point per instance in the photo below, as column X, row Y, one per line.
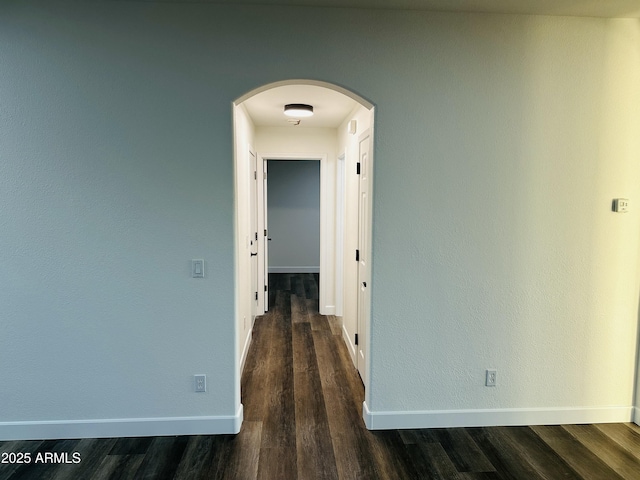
column 298, row 110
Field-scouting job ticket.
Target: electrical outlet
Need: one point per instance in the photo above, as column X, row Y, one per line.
column 201, row 383
column 490, row 380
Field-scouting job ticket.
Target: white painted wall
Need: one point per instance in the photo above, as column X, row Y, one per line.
column 294, row 216
column 305, row 141
column 341, row 193
column 500, row 143
column 244, row 141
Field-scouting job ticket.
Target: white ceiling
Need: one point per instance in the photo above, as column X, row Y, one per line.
column 584, row 8
column 330, row 108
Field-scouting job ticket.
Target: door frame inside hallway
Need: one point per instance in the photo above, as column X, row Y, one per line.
column 326, row 217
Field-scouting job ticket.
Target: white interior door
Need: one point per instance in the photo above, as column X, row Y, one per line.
column 253, row 231
column 364, row 243
column 267, row 238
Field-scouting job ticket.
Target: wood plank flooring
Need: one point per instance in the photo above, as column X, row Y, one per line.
column 302, row 420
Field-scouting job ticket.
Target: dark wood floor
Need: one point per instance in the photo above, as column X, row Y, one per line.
column 302, row 420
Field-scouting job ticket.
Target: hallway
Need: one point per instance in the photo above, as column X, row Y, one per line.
column 301, row 394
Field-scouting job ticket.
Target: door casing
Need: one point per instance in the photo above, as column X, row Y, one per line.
column 253, row 231
column 327, row 282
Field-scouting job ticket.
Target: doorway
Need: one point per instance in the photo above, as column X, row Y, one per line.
column 293, row 216
column 323, row 236
column 345, row 223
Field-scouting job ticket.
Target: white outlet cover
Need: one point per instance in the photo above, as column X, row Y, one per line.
column 200, row 383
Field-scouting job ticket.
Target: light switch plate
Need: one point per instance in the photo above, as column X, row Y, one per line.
column 197, row 268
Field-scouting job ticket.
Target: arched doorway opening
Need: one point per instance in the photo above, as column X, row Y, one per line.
column 340, row 137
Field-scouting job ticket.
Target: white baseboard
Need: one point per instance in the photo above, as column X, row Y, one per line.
column 245, row 349
column 328, row 310
column 125, row 427
column 636, row 415
column 294, row 269
column 489, row 418
column 350, row 345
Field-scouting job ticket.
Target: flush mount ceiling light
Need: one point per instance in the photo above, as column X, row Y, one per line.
column 298, row 110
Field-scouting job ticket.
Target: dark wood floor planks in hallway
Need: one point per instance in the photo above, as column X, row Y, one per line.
column 302, row 420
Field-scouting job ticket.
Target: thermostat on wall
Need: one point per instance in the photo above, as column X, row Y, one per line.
column 621, row 205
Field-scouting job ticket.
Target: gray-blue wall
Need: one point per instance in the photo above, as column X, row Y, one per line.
column 294, row 215
column 500, row 141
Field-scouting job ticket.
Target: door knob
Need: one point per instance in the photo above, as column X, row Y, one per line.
column 254, row 254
